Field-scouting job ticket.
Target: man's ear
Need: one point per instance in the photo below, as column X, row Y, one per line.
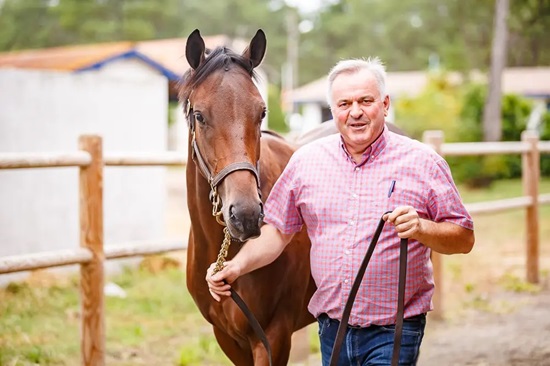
column 386, row 105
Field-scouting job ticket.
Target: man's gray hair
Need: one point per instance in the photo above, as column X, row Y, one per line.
column 373, row 64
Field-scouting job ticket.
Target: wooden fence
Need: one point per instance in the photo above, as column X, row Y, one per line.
column 91, row 254
column 530, row 148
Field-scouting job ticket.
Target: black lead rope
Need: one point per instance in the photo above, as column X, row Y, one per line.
column 400, row 297
column 253, row 322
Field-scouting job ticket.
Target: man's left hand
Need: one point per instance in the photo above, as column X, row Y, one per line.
column 406, row 221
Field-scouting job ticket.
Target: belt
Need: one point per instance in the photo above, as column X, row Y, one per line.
column 411, row 319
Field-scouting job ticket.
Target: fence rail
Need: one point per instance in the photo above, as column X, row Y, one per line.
column 82, row 159
column 43, row 160
column 58, row 258
column 92, row 253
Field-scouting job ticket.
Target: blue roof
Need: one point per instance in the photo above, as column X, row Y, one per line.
column 172, row 76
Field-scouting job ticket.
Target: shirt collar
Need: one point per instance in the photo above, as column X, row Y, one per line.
column 372, row 151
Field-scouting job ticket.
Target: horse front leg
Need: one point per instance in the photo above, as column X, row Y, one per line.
column 233, row 350
column 280, row 339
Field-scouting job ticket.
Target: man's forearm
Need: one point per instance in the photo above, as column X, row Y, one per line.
column 263, row 250
column 446, row 237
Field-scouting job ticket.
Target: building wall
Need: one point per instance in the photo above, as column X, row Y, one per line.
column 43, row 111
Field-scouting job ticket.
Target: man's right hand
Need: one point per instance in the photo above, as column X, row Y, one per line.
column 219, row 284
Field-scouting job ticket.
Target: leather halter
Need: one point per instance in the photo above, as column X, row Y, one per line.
column 215, row 180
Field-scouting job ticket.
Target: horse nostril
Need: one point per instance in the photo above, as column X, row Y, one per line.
column 261, row 215
column 232, row 215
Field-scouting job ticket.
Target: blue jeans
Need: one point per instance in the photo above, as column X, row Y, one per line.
column 372, row 345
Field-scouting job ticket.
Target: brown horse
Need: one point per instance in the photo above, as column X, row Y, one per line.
column 232, row 162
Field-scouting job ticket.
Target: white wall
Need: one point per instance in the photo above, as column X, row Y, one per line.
column 46, row 112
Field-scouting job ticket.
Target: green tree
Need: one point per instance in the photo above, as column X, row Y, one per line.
column 407, row 35
column 26, row 24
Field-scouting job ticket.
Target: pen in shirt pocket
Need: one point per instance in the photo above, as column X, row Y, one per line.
column 392, row 188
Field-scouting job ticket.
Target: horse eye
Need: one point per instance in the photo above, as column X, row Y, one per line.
column 199, row 117
column 264, row 113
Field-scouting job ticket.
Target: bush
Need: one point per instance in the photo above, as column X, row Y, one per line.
column 479, row 171
column 275, row 113
column 458, row 112
column 437, row 107
column 545, row 135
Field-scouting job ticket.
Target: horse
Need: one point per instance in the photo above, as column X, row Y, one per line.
column 232, row 170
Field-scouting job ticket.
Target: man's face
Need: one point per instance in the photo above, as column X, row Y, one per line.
column 358, row 109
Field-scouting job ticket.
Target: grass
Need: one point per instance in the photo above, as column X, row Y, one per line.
column 497, row 262
column 158, row 324
column 40, row 324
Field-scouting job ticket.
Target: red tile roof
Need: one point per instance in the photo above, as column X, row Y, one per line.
column 169, row 53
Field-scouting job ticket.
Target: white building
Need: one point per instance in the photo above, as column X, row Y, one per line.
column 119, row 91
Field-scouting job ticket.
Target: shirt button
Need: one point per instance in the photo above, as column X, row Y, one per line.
column 354, row 195
column 346, row 251
column 345, row 281
column 351, row 222
column 357, row 168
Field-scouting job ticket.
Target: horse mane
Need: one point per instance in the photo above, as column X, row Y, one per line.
column 219, row 58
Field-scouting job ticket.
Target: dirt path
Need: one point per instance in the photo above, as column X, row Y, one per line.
column 517, row 336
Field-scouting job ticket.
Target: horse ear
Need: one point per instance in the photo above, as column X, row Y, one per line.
column 256, row 49
column 194, row 49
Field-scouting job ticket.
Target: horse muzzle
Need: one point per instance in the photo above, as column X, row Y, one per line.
column 244, row 220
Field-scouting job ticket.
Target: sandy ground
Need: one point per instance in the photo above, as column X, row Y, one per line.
column 520, row 336
column 510, row 329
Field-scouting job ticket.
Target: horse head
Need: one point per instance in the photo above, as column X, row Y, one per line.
column 225, row 109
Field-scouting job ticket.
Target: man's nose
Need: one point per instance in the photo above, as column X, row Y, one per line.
column 356, row 110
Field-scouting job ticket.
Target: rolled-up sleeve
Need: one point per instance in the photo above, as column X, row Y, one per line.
column 445, row 203
column 281, row 210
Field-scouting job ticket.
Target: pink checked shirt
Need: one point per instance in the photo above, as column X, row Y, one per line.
column 341, row 204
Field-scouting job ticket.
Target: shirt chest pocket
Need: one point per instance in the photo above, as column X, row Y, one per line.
column 389, row 194
column 408, row 194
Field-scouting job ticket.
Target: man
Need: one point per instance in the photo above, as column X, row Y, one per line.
column 339, row 187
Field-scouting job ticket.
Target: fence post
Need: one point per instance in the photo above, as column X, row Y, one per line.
column 91, row 237
column 435, row 138
column 530, row 177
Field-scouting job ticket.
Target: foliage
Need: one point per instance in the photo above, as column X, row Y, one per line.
column 545, row 135
column 437, row 107
column 406, row 35
column 411, row 35
column 457, row 110
column 484, row 169
column 275, row 114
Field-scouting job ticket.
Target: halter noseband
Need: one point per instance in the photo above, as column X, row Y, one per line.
column 215, row 180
